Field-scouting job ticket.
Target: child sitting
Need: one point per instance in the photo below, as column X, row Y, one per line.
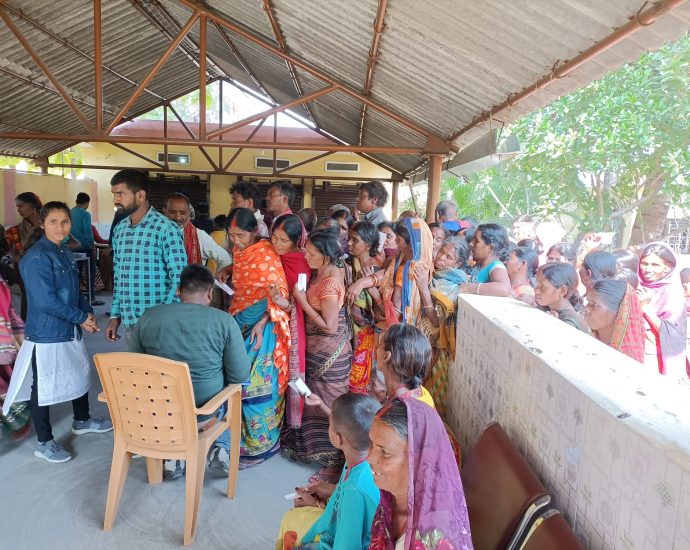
column 345, row 522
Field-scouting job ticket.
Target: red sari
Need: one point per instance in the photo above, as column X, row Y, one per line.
column 294, row 264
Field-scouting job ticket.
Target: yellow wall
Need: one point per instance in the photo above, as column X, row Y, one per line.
column 97, row 182
column 105, row 154
column 51, row 188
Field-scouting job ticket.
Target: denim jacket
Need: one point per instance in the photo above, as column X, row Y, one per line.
column 51, row 281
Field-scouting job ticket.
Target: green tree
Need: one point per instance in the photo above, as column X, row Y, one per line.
column 618, row 147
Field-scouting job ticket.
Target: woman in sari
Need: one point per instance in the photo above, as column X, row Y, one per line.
column 328, row 354
column 363, row 245
column 18, row 419
column 445, row 287
column 663, row 305
column 402, row 299
column 21, row 236
column 614, row 316
column 288, row 240
column 522, row 265
column 422, row 504
column 266, row 329
column 489, row 276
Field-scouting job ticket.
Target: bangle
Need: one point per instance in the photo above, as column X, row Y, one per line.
column 374, row 279
column 478, row 287
column 428, row 307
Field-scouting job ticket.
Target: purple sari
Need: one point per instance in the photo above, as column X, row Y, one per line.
column 437, row 511
column 668, row 302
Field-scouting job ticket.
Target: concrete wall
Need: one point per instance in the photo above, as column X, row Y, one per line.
column 51, row 188
column 608, row 438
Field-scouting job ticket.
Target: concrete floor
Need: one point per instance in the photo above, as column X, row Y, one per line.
column 60, row 506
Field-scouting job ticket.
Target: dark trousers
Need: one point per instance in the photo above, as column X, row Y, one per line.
column 83, row 269
column 40, row 414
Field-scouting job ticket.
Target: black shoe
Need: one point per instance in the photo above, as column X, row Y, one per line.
column 98, row 303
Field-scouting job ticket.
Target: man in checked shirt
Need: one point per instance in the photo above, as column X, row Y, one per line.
column 148, row 254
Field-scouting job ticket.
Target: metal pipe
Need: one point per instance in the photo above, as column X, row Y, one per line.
column 213, row 14
column 269, row 112
column 98, row 63
column 637, row 22
column 202, row 76
column 153, row 72
column 45, row 136
column 37, row 59
column 371, row 62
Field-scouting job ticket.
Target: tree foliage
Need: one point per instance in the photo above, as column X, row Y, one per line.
column 598, row 153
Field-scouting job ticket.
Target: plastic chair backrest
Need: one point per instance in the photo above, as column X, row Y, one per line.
column 551, row 531
column 151, row 400
column 502, row 492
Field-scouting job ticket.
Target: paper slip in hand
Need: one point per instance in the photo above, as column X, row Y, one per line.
column 300, row 387
column 224, row 287
column 292, row 496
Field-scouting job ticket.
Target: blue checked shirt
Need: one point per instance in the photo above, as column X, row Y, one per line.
column 147, row 260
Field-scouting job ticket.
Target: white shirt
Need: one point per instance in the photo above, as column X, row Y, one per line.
column 261, row 225
column 211, row 249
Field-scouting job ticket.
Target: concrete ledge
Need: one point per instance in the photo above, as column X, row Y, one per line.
column 609, row 438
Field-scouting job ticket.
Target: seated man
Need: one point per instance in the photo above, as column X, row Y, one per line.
column 207, row 339
column 345, row 523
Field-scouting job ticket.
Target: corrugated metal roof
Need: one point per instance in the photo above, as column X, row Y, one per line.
column 441, row 64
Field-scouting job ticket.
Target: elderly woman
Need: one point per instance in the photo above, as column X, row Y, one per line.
column 663, row 305
column 489, row 276
column 522, row 265
column 402, row 301
column 422, row 502
column 614, row 316
column 328, row 354
column 266, row 329
column 439, row 321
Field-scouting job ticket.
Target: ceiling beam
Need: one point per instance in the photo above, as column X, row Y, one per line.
column 275, row 110
column 138, row 155
column 302, row 163
column 638, row 21
column 37, row 59
column 237, row 153
column 153, row 72
column 224, row 22
column 379, row 25
column 35, row 84
column 278, row 33
column 76, row 50
column 155, row 140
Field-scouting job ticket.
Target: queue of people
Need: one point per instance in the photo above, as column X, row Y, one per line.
column 358, row 309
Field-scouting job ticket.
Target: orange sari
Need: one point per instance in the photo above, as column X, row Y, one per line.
column 255, row 268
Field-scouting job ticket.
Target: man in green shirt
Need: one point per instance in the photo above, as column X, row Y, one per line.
column 205, row 338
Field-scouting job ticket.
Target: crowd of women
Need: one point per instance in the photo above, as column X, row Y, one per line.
column 367, row 307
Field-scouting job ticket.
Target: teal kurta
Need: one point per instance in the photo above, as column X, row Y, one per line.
column 346, row 522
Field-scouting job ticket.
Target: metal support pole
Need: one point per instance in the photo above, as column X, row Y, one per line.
column 394, row 200
column 98, row 63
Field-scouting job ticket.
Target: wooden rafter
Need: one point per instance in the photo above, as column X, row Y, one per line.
column 379, row 25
